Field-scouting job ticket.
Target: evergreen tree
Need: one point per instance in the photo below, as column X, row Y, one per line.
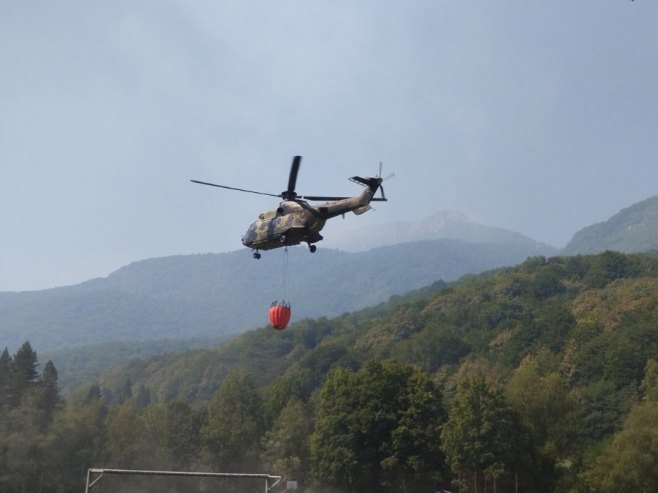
column 24, row 373
column 50, row 398
column 5, row 379
column 23, row 424
column 143, row 398
column 94, row 394
column 26, row 455
column 126, row 391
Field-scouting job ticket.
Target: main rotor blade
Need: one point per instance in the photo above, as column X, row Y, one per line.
column 292, row 179
column 333, row 199
column 233, row 188
column 321, row 197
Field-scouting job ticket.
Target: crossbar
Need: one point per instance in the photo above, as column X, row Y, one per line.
column 94, row 475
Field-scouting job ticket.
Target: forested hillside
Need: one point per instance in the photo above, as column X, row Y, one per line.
column 82, row 365
column 544, row 374
column 191, row 296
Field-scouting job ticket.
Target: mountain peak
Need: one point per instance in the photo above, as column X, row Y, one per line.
column 633, row 229
column 442, row 220
column 445, row 224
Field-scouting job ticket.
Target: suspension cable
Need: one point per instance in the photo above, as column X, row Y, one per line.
column 284, row 275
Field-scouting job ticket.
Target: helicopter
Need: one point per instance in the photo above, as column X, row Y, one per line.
column 296, row 221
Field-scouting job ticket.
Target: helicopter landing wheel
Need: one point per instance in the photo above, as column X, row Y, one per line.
column 256, row 255
column 312, row 248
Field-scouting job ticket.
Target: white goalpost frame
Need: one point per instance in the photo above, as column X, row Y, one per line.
column 94, row 475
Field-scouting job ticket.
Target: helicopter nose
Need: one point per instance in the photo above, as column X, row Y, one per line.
column 249, row 236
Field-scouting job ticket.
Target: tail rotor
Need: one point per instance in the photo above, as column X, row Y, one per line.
column 387, row 177
column 374, row 183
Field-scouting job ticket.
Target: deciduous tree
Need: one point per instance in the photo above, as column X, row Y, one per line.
column 482, row 431
column 287, row 448
column 549, row 413
column 376, row 428
column 235, row 425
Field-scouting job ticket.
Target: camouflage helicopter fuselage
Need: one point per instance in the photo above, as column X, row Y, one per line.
column 296, row 221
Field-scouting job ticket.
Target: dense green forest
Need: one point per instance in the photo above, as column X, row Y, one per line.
column 544, row 375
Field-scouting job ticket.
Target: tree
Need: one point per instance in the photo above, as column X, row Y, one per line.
column 333, row 441
column 609, row 266
column 76, row 441
column 287, row 448
column 24, row 374
column 235, row 425
column 5, row 379
column 143, row 397
column 650, row 382
column 50, row 398
column 377, row 427
column 482, row 432
column 173, row 433
column 416, row 459
column 126, row 391
column 126, row 447
column 22, row 445
column 549, row 413
column 94, row 394
column 630, row 462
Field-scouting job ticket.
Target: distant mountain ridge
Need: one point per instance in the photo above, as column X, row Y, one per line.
column 447, row 224
column 207, row 295
column 633, row 229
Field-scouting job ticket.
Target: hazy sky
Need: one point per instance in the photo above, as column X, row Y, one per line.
column 536, row 116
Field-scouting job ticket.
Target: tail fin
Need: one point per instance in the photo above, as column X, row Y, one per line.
column 373, row 183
